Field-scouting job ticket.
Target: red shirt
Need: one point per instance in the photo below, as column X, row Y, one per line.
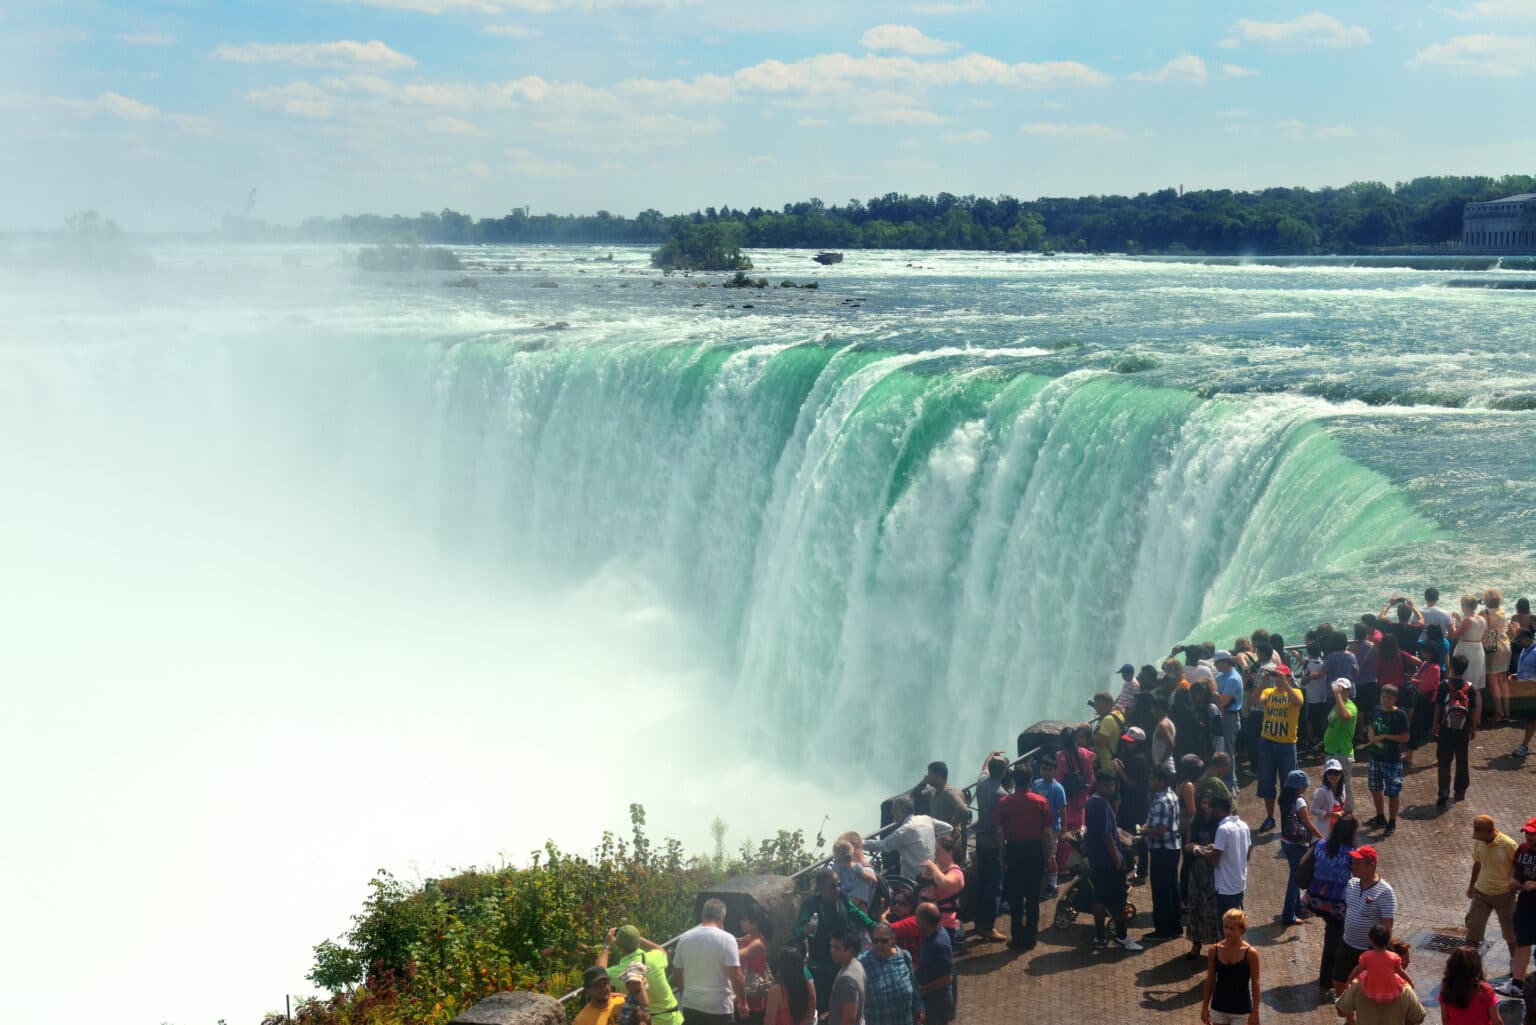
column 909, row 936
column 1023, row 816
column 1477, row 1010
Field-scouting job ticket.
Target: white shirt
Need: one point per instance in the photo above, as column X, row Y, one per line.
column 1434, row 615
column 913, row 841
column 706, row 954
column 1232, row 840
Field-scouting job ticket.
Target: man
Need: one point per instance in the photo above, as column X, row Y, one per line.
column 1457, row 713
column 1107, row 865
column 1407, row 1009
column 1026, row 834
column 1523, row 883
column 1163, row 844
column 1368, row 902
column 935, row 968
column 1432, row 614
column 991, row 787
column 1367, row 689
column 1050, row 788
column 1229, row 853
column 1106, row 737
column 1387, row 735
column 913, row 842
column 1278, row 734
column 1229, row 698
column 934, row 796
column 1129, row 688
column 1164, row 736
column 1339, row 737
column 825, row 915
column 1492, row 887
column 632, row 948
column 707, row 969
column 602, row 1003
column 1213, row 780
column 845, row 1003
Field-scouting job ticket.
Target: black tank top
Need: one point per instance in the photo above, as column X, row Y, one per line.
column 1231, row 992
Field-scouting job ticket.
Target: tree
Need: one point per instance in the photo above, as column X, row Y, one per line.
column 702, row 247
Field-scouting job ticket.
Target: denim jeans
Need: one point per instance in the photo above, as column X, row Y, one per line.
column 1294, row 852
column 1275, row 760
column 1231, row 726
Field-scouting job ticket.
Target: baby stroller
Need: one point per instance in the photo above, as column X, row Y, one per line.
column 1080, row 896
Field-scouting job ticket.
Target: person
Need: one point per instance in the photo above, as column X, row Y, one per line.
column 1330, row 798
column 1134, row 790
column 1496, row 648
column 1229, row 696
column 825, row 914
column 1465, row 996
column 1162, row 838
column 1455, row 725
column 602, row 1004
column 1107, row 865
column 707, row 968
column 1380, row 971
column 1055, row 795
column 792, row 1000
column 632, row 949
column 1523, row 883
column 1164, row 735
column 752, row 946
column 1407, row 1009
column 1229, row 853
column 1253, row 680
column 941, row 881
column 1141, row 709
column 854, row 874
column 1130, row 686
column 1492, row 888
column 1214, row 779
column 1523, row 660
column 1329, row 862
column 1297, row 835
column 1231, row 995
column 901, row 916
column 1074, row 768
column 1106, row 737
column 991, row 788
column 932, row 795
column 845, row 1002
column 935, row 969
column 1369, row 901
column 1365, row 647
column 890, row 982
column 1394, row 668
column 1314, row 683
column 1467, row 630
column 1387, row 734
column 1432, row 614
column 1026, row 835
column 1278, row 734
column 1423, row 694
column 637, row 997
column 914, row 841
column 1202, row 917
column 1339, row 735
column 1339, row 662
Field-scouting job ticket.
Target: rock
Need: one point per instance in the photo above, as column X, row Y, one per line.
column 773, row 896
column 559, row 325
column 546, row 283
column 464, row 282
column 1045, row 734
column 514, row 1009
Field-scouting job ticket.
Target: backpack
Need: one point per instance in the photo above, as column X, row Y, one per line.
column 1458, row 707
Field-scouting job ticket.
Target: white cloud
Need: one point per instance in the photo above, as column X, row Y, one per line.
column 301, row 99
column 1062, row 130
column 905, row 39
column 944, row 9
column 512, row 31
column 1487, row 56
column 813, row 122
column 528, row 6
column 702, row 89
column 119, row 106
column 1500, row 9
column 147, row 38
column 1337, row 132
column 898, row 116
column 1307, row 30
column 342, row 53
column 1238, row 71
column 454, row 126
column 111, row 104
column 835, row 72
column 971, row 138
column 1183, row 68
column 478, row 168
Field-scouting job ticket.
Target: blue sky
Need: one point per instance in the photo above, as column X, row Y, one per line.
column 167, row 114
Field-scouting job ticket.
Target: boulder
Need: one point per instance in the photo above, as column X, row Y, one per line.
column 772, row 897
column 1044, row 735
column 514, row 1009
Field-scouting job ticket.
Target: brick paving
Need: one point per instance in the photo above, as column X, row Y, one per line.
column 1427, row 861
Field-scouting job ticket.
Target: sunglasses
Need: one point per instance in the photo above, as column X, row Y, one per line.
column 883, row 939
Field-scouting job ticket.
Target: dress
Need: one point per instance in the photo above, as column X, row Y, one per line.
column 1202, row 919
column 1470, row 646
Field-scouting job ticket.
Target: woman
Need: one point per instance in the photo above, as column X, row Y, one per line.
column 1297, row 835
column 1465, row 996
column 792, row 1000
column 752, row 948
column 1331, row 793
column 1202, row 698
column 1202, row 923
column 1232, row 976
column 1467, row 630
column 1426, row 688
column 890, row 987
column 941, row 881
column 1328, row 861
column 1496, row 652
column 1075, row 757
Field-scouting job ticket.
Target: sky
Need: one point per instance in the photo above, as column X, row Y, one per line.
column 167, row 115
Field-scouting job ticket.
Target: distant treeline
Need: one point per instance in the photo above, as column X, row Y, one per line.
column 1357, row 217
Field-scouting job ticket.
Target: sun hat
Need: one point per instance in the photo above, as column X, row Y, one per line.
column 1222, row 656
column 1296, row 779
column 635, row 971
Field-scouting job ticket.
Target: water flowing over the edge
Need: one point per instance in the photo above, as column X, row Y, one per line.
column 919, row 540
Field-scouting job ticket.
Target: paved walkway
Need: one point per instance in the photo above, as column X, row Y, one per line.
column 1427, row 861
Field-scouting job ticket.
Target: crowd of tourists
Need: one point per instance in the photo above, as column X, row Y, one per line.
column 1146, row 793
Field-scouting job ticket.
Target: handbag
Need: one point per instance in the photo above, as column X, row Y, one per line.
column 757, row 984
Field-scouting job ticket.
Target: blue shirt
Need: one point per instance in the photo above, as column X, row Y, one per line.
column 1230, row 682
column 1099, row 820
column 988, row 792
column 1055, row 794
column 936, row 959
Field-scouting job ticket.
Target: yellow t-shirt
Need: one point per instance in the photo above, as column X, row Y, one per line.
column 1497, row 858
column 594, row 1015
column 1110, row 727
column 1282, row 714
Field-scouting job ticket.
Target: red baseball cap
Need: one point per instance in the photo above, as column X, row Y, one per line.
column 1280, row 670
column 1365, row 853
column 1530, row 825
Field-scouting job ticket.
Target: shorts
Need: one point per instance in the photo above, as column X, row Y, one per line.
column 1228, row 1017
column 1385, row 777
column 1109, row 889
column 1273, row 762
column 1525, row 926
column 1345, row 961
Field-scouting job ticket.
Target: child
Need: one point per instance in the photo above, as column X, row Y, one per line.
column 636, row 996
column 1380, row 970
column 853, row 872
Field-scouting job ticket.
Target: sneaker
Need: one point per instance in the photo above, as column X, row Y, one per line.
column 1521, row 750
column 1510, row 988
column 1391, row 828
column 992, row 936
column 1099, row 943
column 1376, row 821
column 1443, row 802
column 1126, row 943
column 1267, row 824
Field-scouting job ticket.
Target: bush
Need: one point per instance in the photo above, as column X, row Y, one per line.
column 388, row 257
column 702, row 247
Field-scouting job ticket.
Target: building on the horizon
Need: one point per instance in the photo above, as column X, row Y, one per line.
column 1505, row 225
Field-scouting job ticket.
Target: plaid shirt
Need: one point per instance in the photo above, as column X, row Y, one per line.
column 1164, row 812
column 890, row 989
